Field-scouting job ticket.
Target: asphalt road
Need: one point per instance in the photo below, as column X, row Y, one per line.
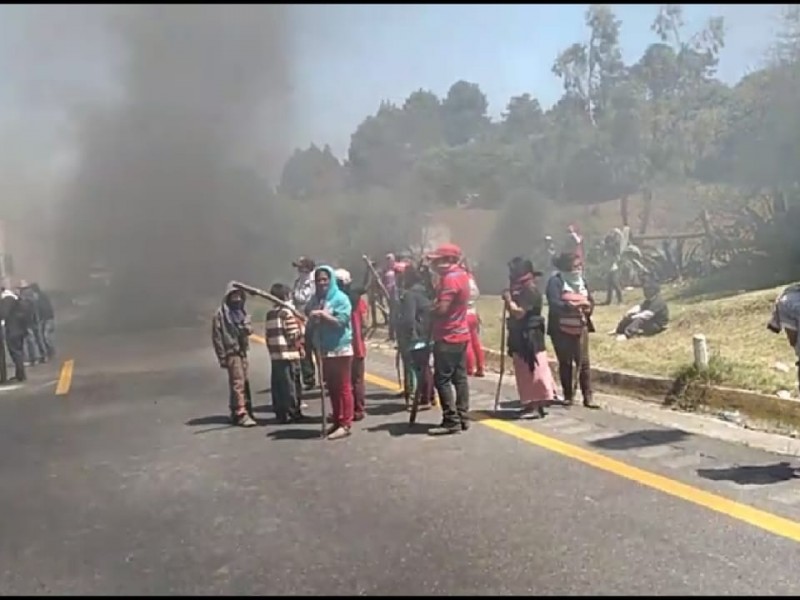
column 133, row 483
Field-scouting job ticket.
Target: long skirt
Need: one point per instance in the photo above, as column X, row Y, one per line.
column 534, row 387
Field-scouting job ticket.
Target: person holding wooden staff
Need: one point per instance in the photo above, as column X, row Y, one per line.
column 302, row 292
column 525, row 340
column 230, row 334
column 330, row 313
column 569, row 321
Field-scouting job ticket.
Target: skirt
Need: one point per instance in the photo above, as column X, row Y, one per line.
column 537, row 386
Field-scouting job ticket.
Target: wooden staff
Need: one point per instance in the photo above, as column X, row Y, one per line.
column 266, row 295
column 502, row 357
column 385, row 293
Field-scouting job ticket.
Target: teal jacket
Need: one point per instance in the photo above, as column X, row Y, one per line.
column 330, row 337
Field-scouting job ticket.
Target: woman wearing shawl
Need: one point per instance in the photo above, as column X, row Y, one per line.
column 526, row 331
column 331, row 312
column 230, row 333
column 569, row 321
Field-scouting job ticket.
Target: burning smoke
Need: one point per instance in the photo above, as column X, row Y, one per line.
column 171, row 179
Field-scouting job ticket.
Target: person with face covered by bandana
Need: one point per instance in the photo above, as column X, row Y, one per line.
column 230, row 333
column 569, row 321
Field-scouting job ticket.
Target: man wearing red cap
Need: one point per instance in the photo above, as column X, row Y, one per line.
column 450, row 337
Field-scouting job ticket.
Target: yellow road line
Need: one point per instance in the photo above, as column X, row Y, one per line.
column 65, row 378
column 758, row 518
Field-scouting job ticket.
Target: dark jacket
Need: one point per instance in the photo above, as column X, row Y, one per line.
column 43, row 304
column 556, row 306
column 414, row 323
column 526, row 334
column 659, row 309
column 13, row 313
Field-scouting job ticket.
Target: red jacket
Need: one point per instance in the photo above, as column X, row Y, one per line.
column 357, row 318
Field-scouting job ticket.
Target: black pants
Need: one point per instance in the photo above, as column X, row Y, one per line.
column 630, row 327
column 307, row 368
column 16, row 348
column 613, row 287
column 450, row 370
column 284, row 394
column 570, row 350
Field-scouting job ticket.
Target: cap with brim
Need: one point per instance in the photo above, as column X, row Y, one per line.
column 446, row 251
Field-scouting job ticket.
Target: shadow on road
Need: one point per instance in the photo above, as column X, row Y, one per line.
column 209, row 420
column 294, row 434
column 752, row 475
column 402, row 428
column 641, row 439
column 384, row 395
column 264, row 391
column 386, row 409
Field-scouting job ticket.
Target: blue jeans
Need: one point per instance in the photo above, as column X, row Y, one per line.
column 32, row 351
column 48, row 328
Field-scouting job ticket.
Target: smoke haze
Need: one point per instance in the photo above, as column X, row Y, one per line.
column 169, row 174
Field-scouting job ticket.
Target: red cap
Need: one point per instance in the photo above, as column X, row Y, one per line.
column 446, row 251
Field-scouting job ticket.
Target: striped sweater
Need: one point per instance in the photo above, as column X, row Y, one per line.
column 283, row 335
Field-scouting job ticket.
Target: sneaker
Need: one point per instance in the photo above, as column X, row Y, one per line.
column 480, row 374
column 445, row 430
column 331, row 430
column 340, row 433
column 245, row 420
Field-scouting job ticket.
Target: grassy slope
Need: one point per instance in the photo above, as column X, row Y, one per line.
column 735, row 328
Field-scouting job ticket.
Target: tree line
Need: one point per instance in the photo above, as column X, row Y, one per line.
column 618, row 130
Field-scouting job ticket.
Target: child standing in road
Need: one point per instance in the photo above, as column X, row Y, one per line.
column 284, row 337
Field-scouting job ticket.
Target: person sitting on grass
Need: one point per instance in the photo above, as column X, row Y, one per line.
column 646, row 319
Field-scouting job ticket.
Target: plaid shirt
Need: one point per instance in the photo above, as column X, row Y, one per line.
column 283, row 335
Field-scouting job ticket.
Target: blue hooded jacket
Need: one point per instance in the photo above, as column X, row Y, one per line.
column 333, row 338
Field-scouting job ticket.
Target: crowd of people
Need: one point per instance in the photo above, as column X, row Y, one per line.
column 429, row 308
column 28, row 325
column 430, row 312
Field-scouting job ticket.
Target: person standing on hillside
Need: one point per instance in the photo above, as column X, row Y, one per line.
column 302, row 293
column 450, row 337
column 230, row 334
column 786, row 316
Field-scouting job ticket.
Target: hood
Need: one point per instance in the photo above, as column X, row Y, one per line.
column 232, row 288
column 333, row 288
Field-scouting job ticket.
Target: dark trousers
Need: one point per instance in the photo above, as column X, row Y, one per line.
column 450, row 370
column 307, row 368
column 613, row 287
column 16, row 348
column 284, row 394
column 573, row 350
column 630, row 327
column 421, row 362
column 359, row 388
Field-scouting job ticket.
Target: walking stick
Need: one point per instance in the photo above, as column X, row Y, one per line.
column 321, row 375
column 502, row 357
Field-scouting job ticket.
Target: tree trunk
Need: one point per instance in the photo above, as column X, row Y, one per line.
column 623, row 210
column 644, row 222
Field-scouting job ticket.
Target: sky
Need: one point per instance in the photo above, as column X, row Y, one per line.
column 347, row 58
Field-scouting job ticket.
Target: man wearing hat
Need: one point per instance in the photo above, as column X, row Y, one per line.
column 302, row 292
column 450, row 337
